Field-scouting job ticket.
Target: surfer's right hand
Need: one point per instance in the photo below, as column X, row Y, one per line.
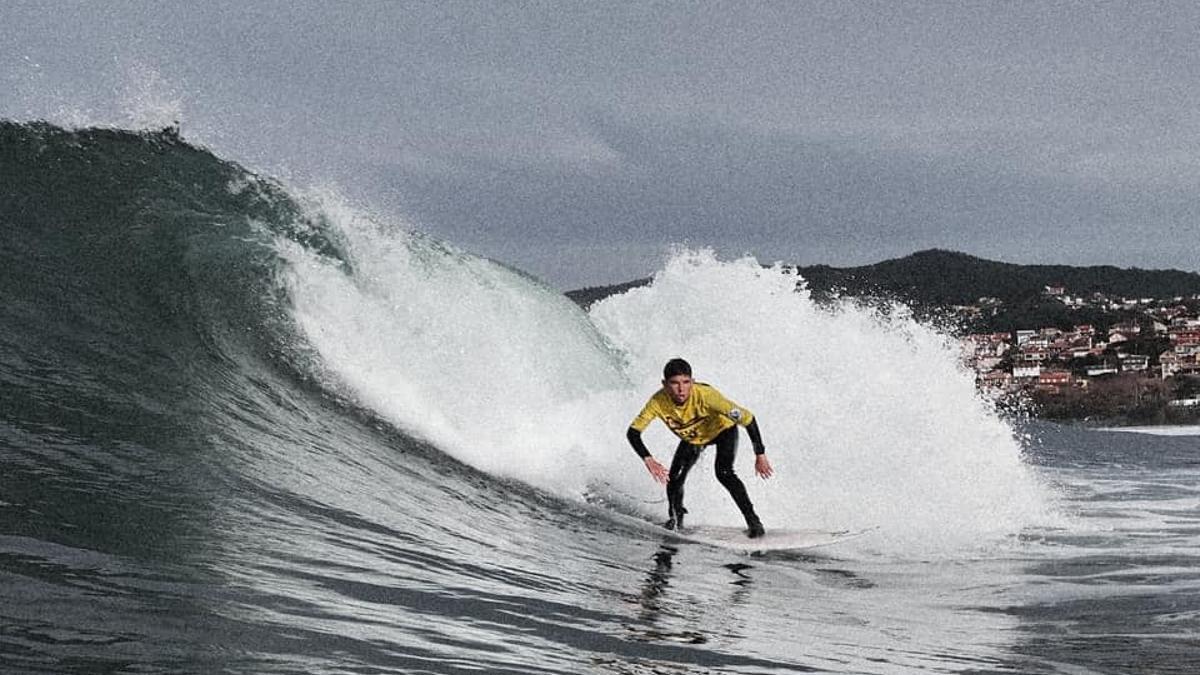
column 656, row 469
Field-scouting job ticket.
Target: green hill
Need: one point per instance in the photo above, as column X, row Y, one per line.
column 938, row 277
column 935, row 279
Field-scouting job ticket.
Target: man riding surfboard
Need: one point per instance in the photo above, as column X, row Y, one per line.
column 700, row 416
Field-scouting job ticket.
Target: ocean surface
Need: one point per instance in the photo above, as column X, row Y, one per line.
column 249, row 428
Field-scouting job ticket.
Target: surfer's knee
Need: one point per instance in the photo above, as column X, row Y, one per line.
column 726, row 475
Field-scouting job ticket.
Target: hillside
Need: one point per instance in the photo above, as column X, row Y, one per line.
column 938, row 277
column 935, row 279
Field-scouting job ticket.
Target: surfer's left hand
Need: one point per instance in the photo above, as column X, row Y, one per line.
column 762, row 467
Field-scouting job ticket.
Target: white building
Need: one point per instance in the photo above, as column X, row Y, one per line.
column 1134, row 362
column 1032, row 371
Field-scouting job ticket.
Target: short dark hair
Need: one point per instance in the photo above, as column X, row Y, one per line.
column 676, row 367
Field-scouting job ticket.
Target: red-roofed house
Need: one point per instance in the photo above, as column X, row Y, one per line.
column 996, row 380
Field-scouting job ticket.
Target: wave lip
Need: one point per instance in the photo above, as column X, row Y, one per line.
column 488, row 363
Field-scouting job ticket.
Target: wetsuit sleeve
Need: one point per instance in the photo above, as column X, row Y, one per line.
column 635, row 439
column 755, row 437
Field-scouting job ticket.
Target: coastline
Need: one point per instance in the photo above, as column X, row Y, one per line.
column 1158, row 430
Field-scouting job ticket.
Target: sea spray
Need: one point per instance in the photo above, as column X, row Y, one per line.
column 869, row 419
column 497, row 369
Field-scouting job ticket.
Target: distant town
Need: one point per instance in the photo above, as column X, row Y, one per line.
column 1140, row 369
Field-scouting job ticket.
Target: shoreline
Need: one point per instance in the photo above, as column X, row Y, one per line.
column 1157, row 429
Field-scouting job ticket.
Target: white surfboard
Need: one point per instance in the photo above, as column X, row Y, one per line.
column 734, row 538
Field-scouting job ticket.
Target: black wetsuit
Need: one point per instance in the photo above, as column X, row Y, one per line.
column 686, row 455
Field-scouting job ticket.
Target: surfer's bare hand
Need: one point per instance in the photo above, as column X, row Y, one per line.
column 762, row 467
column 657, row 470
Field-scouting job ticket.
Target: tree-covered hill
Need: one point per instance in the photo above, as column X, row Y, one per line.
column 938, row 277
column 935, row 279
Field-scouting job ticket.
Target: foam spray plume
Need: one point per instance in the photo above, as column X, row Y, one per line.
column 870, row 420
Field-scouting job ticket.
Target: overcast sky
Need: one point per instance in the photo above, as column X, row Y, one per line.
column 580, row 141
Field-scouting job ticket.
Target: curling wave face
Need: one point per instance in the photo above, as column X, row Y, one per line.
column 189, row 294
column 260, row 430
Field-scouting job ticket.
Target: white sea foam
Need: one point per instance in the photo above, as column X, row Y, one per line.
column 869, row 420
column 136, row 95
column 496, row 368
column 149, row 100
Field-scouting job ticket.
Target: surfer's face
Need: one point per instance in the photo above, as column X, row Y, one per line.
column 678, row 387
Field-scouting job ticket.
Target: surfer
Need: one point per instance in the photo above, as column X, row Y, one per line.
column 700, row 416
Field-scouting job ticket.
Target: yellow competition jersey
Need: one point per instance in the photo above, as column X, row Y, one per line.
column 700, row 419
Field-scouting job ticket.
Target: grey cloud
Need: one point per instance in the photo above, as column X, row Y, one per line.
column 783, row 197
column 540, row 132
